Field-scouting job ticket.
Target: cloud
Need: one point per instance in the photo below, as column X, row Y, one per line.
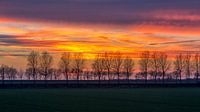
column 3, row 54
column 14, row 40
column 8, row 40
column 175, row 42
column 6, row 36
column 117, row 12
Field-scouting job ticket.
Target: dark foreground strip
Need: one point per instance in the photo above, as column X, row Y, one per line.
column 96, row 84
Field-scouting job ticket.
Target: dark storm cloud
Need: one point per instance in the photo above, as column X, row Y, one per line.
column 97, row 11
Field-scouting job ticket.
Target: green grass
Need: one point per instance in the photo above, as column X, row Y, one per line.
column 100, row 100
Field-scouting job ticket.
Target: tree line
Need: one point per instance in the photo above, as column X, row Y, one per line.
column 106, row 66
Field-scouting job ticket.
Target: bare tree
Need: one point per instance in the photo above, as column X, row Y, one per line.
column 128, row 66
column 64, row 64
column 197, row 65
column 55, row 74
column 164, row 64
column 3, row 70
column 108, row 61
column 11, row 73
column 78, row 64
column 117, row 64
column 187, row 62
column 98, row 66
column 28, row 73
column 144, row 63
column 8, row 72
column 155, row 68
column 179, row 66
column 46, row 61
column 20, row 74
column 33, row 62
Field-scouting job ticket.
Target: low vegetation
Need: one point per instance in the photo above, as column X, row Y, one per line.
column 100, row 100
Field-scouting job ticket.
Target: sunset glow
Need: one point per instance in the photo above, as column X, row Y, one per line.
column 74, row 26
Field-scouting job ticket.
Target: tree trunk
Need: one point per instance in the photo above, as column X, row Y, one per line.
column 108, row 76
column 78, row 77
column 66, row 75
column 197, row 76
column 118, row 77
column 163, row 77
column 155, row 78
column 146, row 77
column 99, row 79
column 3, row 74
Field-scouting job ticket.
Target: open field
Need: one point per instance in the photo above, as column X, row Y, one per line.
column 100, row 100
column 96, row 83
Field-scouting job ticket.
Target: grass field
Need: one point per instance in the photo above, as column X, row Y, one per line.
column 100, row 100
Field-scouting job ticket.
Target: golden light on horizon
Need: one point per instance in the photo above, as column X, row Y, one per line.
column 128, row 31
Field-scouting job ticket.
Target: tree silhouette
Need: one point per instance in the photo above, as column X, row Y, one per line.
column 111, row 66
column 64, row 65
column 117, row 64
column 128, row 66
column 155, row 68
column 164, row 64
column 197, row 65
column 20, row 74
column 11, row 73
column 187, row 62
column 3, row 69
column 56, row 74
column 108, row 63
column 144, row 63
column 33, row 64
column 98, row 66
column 78, row 64
column 179, row 65
column 46, row 61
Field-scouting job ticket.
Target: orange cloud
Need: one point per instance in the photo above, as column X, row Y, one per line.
column 26, row 36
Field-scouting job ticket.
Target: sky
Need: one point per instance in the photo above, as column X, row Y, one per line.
column 95, row 26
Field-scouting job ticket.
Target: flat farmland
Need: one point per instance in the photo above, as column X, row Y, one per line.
column 100, row 100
